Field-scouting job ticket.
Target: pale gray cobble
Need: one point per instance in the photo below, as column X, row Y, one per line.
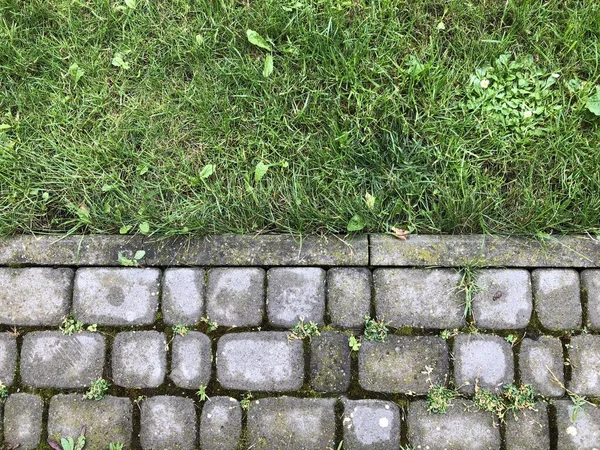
column 557, row 298
column 371, row 425
column 8, row 358
column 584, row 356
column 168, row 422
column 183, row 296
column 139, row 359
column 330, row 362
column 578, row 428
column 221, row 424
column 191, row 360
column 23, row 420
column 528, row 429
column 348, row 296
column 590, row 287
column 541, row 365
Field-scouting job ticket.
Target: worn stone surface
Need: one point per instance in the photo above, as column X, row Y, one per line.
column 183, row 296
column 584, row 354
column 168, row 423
column 540, row 361
column 235, row 296
column 107, row 420
column 529, row 429
column 371, row 424
column 220, row 424
column 50, row 359
column 294, row 293
column 34, row 296
column 583, row 433
column 191, row 360
column 428, row 298
column 260, row 361
column 291, row 423
column 139, row 359
column 348, row 296
column 400, row 363
column 485, row 358
column 330, row 362
column 557, row 299
column 23, row 420
column 8, row 358
column 590, row 288
column 462, row 427
column 503, row 299
column 116, row 296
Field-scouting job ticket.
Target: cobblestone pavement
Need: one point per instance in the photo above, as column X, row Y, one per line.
column 191, row 345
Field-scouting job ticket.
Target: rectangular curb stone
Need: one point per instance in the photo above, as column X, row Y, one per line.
column 221, row 424
column 580, row 434
column 8, row 358
column 183, row 296
column 168, row 423
column 23, row 420
column 139, row 359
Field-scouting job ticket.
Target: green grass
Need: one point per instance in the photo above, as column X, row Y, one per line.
column 365, row 97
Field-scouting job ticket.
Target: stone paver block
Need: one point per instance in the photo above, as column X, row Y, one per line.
column 590, row 287
column 580, row 434
column 23, row 420
column 168, row 423
column 8, row 358
column 529, row 430
column 107, row 420
column 371, row 424
column 585, row 365
column 348, row 296
column 183, row 296
column 50, row 359
column 330, row 362
column 462, row 427
column 291, row 423
column 116, row 295
column 34, row 296
column 139, row 359
column 191, row 360
column 485, row 359
column 539, row 362
column 400, row 363
column 503, row 299
column 557, row 299
column 261, row 361
column 236, row 296
column 427, row 298
column 294, row 293
column 220, row 424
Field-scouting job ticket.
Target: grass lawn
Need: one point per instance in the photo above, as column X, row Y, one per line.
column 163, row 116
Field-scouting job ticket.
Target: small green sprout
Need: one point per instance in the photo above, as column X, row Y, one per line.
column 354, row 343
column 134, row 262
column 68, row 443
column 439, row 399
column 70, row 326
column 245, row 401
column 201, row 393
column 447, row 334
column 376, row 331
column 3, row 391
column 212, row 325
column 303, row 330
column 115, row 446
column 97, row 390
column 511, row 339
column 181, row 330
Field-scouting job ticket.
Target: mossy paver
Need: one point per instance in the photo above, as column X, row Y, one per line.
column 139, row 359
column 183, row 296
column 191, row 360
column 578, row 428
column 23, row 420
column 348, row 296
column 220, row 424
column 168, row 422
column 529, row 429
column 371, row 424
column 590, row 287
column 584, row 355
column 8, row 358
column 330, row 362
column 541, row 365
column 557, row 298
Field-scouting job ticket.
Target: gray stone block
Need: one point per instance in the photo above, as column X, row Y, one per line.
column 348, row 296
column 426, row 298
column 371, row 424
column 399, row 364
column 590, row 288
column 540, row 361
column 503, row 299
column 291, row 423
column 236, row 296
column 168, row 423
column 584, row 354
column 557, row 299
column 261, row 361
column 23, row 420
column 462, row 427
column 139, row 359
column 529, row 429
column 577, row 429
column 294, row 293
column 485, row 359
column 330, row 362
column 116, row 295
column 191, row 360
column 51, row 360
column 8, row 358
column 34, row 296
column 107, row 420
column 220, row 424
column 183, row 296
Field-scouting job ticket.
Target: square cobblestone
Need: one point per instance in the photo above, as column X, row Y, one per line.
column 23, row 421
column 584, row 354
column 590, row 287
column 577, row 429
column 557, row 299
column 191, row 360
column 139, row 359
column 168, row 423
column 221, row 424
column 330, row 362
column 371, row 425
column 540, row 361
column 529, row 430
column 183, row 296
column 8, row 358
column 348, row 296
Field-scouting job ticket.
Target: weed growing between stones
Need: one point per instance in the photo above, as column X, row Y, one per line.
column 447, row 334
column 70, row 326
column 469, row 287
column 3, row 391
column 69, row 443
column 181, row 330
column 211, row 324
column 97, row 390
column 245, row 401
column 354, row 343
column 439, row 399
column 115, row 446
column 201, row 393
column 133, row 262
column 513, row 399
column 376, row 331
column 303, row 330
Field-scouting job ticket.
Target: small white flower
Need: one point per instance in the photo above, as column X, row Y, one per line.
column 556, row 75
column 484, row 83
column 528, row 114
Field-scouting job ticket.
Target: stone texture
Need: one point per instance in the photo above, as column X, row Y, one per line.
column 34, row 296
column 580, row 434
column 139, row 359
column 584, row 354
column 503, row 299
column 557, row 299
column 398, row 365
column 8, row 358
column 168, row 423
column 51, row 360
column 183, row 296
column 260, row 361
column 23, row 420
column 236, row 296
column 116, row 296
column 428, row 298
column 191, row 360
column 462, row 427
column 220, row 424
column 529, row 430
column 291, row 423
column 371, row 424
column 330, row 362
column 107, row 420
column 590, row 288
column 485, row 358
column 348, row 296
column 539, row 362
